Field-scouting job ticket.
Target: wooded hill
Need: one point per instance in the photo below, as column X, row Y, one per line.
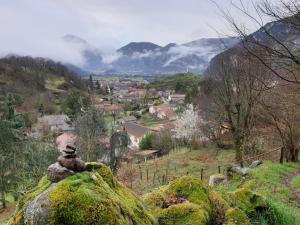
column 37, row 81
column 179, row 82
column 27, row 75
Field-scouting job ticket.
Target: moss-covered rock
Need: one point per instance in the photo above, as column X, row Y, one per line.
column 85, row 198
column 219, row 208
column 186, row 213
column 246, row 200
column 235, row 216
column 196, row 209
column 95, row 197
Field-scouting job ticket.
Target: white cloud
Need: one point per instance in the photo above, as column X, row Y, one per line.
column 34, row 27
column 111, row 58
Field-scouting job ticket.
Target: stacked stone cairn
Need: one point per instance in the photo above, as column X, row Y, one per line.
column 67, row 164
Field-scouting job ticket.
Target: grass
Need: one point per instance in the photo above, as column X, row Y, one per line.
column 176, row 164
column 53, row 83
column 296, row 182
column 268, row 180
column 150, row 121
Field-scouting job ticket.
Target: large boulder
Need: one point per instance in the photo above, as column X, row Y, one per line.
column 86, row 198
column 191, row 208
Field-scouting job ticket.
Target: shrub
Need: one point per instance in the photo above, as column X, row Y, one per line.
column 146, row 142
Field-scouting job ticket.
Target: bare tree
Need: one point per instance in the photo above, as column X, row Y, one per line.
column 237, row 85
column 89, row 127
column 281, row 112
column 275, row 45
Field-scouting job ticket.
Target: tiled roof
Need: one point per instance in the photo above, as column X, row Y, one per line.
column 147, row 152
column 135, row 129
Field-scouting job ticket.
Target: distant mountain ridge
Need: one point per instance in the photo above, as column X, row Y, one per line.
column 280, row 30
column 146, row 58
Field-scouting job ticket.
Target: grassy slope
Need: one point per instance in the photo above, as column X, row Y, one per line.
column 177, row 164
column 268, row 180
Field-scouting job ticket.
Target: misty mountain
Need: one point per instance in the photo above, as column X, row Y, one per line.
column 138, row 47
column 280, row 30
column 91, row 55
column 146, row 58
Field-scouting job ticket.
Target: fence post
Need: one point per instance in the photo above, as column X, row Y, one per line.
column 141, row 173
column 202, row 173
column 219, row 169
column 147, row 174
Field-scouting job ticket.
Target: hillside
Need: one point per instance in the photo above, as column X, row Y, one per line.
column 179, row 82
column 96, row 197
column 273, row 35
column 35, row 78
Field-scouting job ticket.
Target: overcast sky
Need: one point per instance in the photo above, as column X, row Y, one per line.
column 35, row 27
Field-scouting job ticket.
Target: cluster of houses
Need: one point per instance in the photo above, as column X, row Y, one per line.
column 113, row 103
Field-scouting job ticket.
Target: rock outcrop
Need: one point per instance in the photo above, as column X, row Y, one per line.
column 195, row 204
column 95, row 197
column 85, row 198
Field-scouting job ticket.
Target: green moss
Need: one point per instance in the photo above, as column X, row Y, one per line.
column 28, row 197
column 87, row 198
column 196, row 210
column 186, row 213
column 154, row 201
column 219, row 208
column 104, row 172
column 92, row 198
column 192, row 189
column 246, row 200
column 235, row 216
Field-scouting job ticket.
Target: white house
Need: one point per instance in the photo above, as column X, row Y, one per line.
column 135, row 132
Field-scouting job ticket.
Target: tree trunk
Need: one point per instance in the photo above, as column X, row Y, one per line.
column 238, row 150
column 281, row 155
column 294, row 154
column 3, row 199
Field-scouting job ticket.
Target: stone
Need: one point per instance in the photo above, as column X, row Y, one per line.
column 234, row 169
column 67, row 155
column 242, row 171
column 56, row 172
column 255, row 164
column 75, row 164
column 38, row 211
column 216, row 179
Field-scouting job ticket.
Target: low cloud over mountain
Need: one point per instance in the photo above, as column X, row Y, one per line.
column 146, row 58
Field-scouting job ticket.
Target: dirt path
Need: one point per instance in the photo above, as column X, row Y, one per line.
column 5, row 215
column 288, row 182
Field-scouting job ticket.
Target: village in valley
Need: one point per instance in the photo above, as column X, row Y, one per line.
column 134, row 113
column 129, row 105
